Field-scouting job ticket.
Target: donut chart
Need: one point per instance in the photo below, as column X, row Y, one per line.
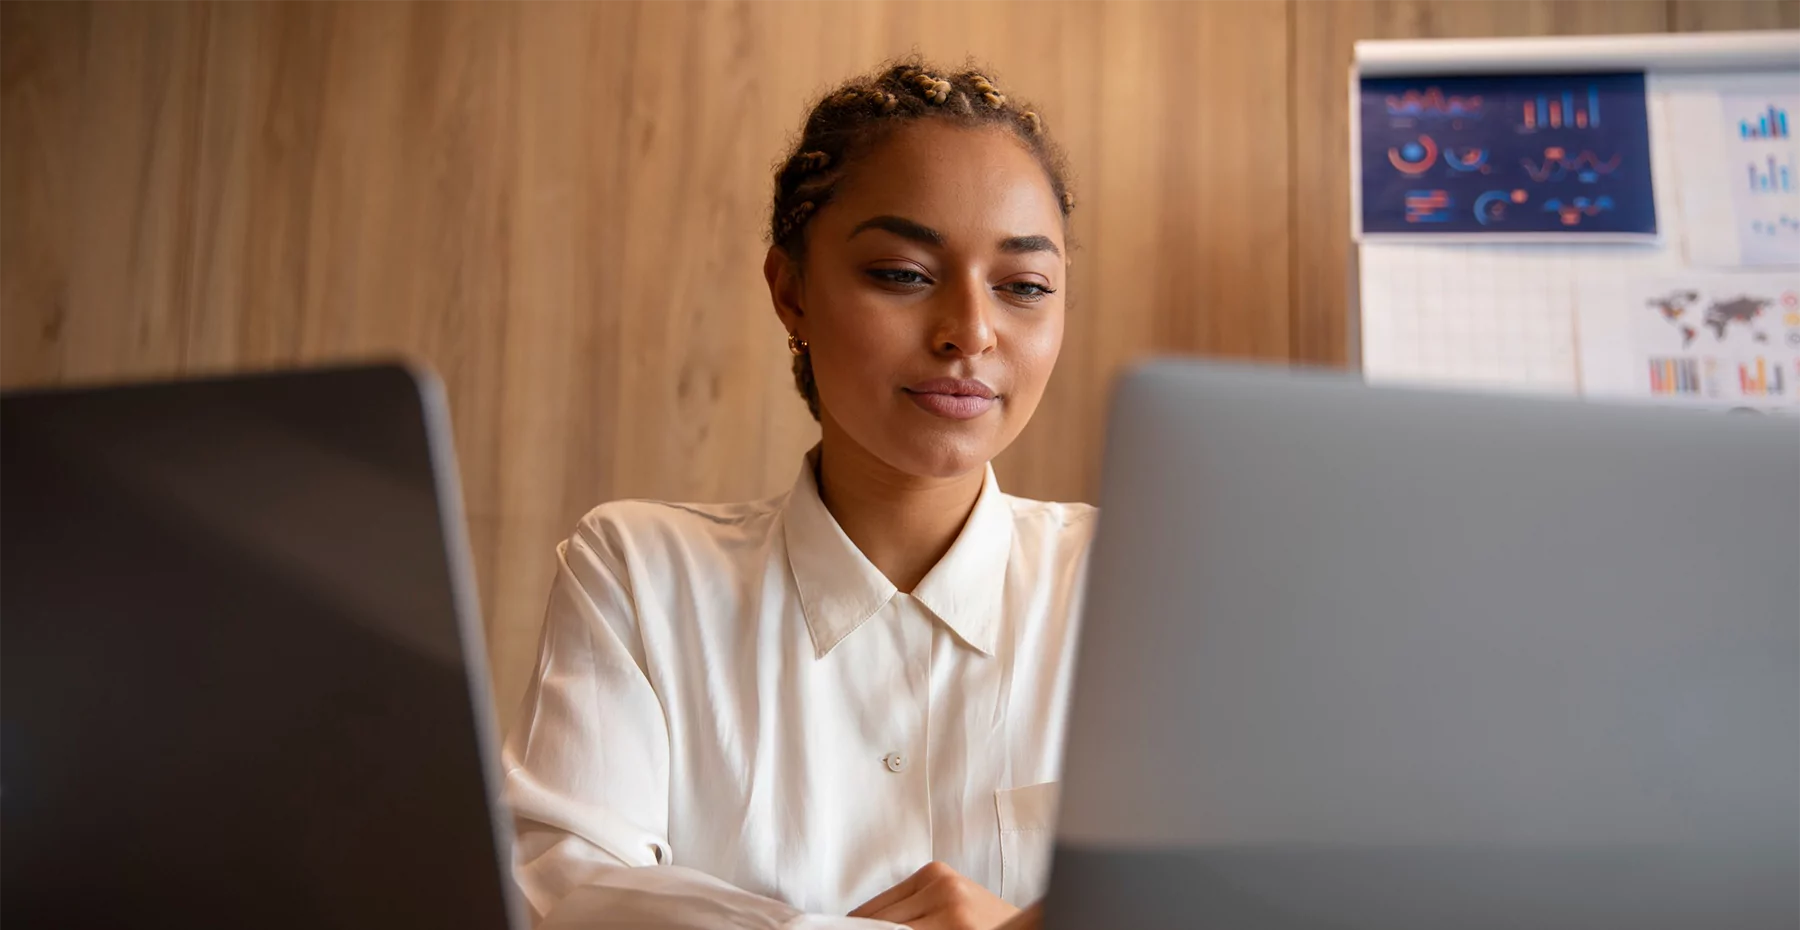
column 1490, row 208
column 1414, row 158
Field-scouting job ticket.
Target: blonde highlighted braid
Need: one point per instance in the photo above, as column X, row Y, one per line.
column 856, row 116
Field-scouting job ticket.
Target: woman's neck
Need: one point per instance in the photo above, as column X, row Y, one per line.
column 902, row 523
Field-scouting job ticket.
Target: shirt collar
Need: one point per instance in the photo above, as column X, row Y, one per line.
column 840, row 588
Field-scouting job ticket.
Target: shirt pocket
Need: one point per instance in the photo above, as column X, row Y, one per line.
column 1027, row 833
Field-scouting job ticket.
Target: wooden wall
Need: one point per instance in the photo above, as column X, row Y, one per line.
column 559, row 206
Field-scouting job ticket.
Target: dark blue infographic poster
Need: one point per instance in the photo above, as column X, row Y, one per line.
column 1539, row 155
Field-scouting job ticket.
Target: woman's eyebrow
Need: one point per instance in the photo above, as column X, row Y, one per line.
column 1017, row 244
column 919, row 232
column 902, row 227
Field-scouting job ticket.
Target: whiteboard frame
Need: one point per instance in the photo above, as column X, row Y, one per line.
column 1669, row 55
column 1714, row 52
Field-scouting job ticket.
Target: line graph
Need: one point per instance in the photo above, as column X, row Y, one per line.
column 1780, row 225
column 1574, row 209
column 1557, row 164
column 1432, row 102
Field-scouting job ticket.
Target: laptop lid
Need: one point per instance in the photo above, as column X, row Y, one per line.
column 1362, row 657
column 243, row 680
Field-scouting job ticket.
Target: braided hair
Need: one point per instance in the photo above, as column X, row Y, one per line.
column 854, row 118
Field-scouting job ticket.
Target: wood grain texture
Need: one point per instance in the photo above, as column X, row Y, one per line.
column 560, row 207
column 1733, row 15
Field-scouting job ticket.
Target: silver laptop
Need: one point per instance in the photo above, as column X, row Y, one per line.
column 1362, row 657
column 242, row 678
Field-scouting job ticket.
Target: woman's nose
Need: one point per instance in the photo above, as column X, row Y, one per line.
column 964, row 325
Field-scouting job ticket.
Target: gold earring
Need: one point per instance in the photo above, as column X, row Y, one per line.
column 796, row 345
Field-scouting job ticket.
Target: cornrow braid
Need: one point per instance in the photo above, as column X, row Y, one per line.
column 797, row 215
column 853, row 118
column 933, row 89
column 989, row 92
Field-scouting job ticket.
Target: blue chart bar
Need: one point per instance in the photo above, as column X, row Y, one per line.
column 1560, row 109
column 1778, row 177
column 1772, row 124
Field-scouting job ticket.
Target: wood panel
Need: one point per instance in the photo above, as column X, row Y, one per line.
column 1161, row 170
column 560, row 206
column 1324, row 34
column 43, row 50
column 1732, row 15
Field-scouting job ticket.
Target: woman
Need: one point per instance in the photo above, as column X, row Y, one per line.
column 848, row 699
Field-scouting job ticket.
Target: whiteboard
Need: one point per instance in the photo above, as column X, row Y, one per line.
column 1503, row 316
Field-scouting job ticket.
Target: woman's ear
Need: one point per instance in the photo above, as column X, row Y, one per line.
column 783, row 275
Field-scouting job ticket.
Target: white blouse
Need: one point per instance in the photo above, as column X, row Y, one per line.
column 734, row 697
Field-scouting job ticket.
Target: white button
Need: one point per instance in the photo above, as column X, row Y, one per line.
column 894, row 761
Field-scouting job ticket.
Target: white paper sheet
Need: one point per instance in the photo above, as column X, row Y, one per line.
column 1694, row 339
column 1765, row 192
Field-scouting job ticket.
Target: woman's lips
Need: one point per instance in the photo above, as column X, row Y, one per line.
column 952, row 398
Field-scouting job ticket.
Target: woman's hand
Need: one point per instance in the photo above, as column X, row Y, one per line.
column 1031, row 918
column 937, row 898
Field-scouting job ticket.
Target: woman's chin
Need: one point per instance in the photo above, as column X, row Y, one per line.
column 925, row 447
column 942, row 453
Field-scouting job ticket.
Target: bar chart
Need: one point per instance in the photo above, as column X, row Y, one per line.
column 1562, row 111
column 1428, row 206
column 1695, row 339
column 1771, row 176
column 1764, row 160
column 1770, row 124
column 1760, row 379
column 1674, row 376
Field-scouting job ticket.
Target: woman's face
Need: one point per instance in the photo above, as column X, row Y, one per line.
column 932, row 297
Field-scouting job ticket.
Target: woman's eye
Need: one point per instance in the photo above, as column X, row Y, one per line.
column 1027, row 290
column 901, row 277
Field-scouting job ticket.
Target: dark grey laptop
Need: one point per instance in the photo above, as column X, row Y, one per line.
column 242, row 680
column 1379, row 658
